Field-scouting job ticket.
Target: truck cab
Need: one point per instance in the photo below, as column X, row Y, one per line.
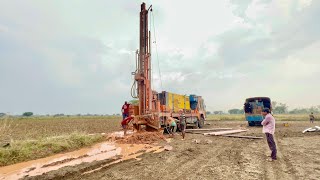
column 197, row 113
column 253, row 108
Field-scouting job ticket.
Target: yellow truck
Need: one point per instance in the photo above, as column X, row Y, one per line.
column 192, row 105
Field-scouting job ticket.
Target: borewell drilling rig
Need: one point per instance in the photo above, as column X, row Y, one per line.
column 154, row 108
column 149, row 106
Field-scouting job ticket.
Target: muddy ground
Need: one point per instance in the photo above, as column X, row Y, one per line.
column 223, row 158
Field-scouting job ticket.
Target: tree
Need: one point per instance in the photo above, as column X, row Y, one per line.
column 299, row 111
column 236, row 111
column 274, row 104
column 2, row 114
column 218, row 112
column 27, row 114
column 280, row 109
column 233, row 111
column 58, row 115
column 208, row 112
column 314, row 109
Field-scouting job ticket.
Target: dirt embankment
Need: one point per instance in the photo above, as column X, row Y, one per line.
column 214, row 157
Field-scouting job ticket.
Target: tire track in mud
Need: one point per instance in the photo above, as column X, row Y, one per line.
column 299, row 156
column 225, row 158
column 187, row 161
column 204, row 163
column 281, row 168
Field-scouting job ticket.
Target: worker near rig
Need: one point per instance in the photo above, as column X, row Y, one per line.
column 183, row 123
column 125, row 110
column 171, row 126
column 125, row 123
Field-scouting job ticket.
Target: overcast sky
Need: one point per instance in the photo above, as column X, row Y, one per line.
column 77, row 56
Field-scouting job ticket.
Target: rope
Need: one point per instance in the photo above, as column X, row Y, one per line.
column 155, row 42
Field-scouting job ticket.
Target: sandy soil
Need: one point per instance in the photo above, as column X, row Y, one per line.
column 216, row 158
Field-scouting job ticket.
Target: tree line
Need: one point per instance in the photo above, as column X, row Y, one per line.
column 277, row 108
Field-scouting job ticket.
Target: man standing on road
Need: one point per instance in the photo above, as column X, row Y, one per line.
column 268, row 128
column 183, row 123
column 311, row 117
column 125, row 110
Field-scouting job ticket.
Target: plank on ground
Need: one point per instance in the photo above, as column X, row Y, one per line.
column 213, row 129
column 248, row 137
column 225, row 132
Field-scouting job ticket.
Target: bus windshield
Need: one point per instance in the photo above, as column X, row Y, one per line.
column 255, row 105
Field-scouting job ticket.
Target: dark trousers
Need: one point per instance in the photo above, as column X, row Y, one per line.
column 125, row 115
column 272, row 145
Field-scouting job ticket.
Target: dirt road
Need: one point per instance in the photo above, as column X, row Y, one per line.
column 216, row 158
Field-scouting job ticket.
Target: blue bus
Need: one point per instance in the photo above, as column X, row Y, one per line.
column 253, row 108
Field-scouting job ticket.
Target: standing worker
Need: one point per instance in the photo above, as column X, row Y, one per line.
column 125, row 110
column 269, row 128
column 311, row 117
column 183, row 123
column 125, row 122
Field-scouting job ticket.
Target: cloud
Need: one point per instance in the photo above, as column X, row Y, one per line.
column 67, row 57
column 3, row 29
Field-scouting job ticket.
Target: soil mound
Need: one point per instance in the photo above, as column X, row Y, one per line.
column 142, row 138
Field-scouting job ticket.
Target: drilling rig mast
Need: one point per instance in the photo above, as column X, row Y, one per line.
column 149, row 105
column 150, row 112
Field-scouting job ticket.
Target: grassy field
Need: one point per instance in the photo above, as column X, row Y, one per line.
column 36, row 137
column 22, row 128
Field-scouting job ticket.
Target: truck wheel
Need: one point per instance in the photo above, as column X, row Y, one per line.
column 196, row 125
column 251, row 123
column 201, row 122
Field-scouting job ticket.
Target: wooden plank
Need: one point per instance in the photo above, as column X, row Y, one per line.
column 213, row 129
column 248, row 137
column 225, row 132
column 194, row 132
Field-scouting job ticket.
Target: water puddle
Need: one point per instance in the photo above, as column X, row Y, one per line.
column 98, row 152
